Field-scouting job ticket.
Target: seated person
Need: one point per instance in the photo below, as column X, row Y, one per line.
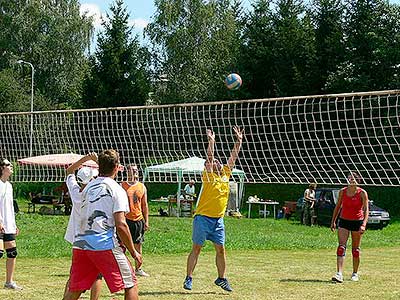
column 189, row 190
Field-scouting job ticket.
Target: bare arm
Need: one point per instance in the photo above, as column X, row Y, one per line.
column 364, row 198
column 72, row 168
column 336, row 210
column 125, row 236
column 236, row 147
column 145, row 210
column 210, row 150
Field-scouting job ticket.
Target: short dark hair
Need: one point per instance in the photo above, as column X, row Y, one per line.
column 108, row 160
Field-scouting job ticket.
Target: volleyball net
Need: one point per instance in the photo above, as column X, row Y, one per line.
column 293, row 140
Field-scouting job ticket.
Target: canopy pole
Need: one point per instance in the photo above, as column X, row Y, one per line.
column 178, row 194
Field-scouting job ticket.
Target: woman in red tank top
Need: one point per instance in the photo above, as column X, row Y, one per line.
column 352, row 209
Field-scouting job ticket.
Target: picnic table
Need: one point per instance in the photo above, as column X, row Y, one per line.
column 264, row 203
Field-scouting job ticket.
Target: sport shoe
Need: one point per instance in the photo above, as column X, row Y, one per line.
column 223, row 283
column 187, row 284
column 140, row 272
column 337, row 278
column 12, row 286
column 354, row 277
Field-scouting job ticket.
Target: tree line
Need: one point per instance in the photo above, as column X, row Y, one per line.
column 279, row 48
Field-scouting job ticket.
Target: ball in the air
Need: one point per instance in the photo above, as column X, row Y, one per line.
column 233, row 81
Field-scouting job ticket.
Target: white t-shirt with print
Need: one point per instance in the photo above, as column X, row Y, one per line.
column 96, row 230
column 7, row 215
column 75, row 193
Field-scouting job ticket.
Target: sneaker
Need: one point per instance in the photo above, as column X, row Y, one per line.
column 187, row 284
column 338, row 278
column 354, row 277
column 12, row 286
column 223, row 283
column 140, row 272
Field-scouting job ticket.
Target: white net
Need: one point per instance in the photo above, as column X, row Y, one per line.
column 287, row 140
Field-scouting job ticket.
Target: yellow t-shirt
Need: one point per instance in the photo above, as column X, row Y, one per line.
column 215, row 193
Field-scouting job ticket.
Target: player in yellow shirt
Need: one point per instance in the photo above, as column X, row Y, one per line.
column 208, row 223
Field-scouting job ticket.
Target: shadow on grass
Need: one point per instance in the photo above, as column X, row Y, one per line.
column 305, row 280
column 161, row 293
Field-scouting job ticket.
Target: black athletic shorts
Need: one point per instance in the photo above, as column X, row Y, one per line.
column 7, row 237
column 137, row 230
column 352, row 225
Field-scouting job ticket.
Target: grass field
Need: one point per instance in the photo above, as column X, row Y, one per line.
column 267, row 259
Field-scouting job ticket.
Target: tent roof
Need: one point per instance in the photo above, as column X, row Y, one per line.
column 191, row 165
column 55, row 160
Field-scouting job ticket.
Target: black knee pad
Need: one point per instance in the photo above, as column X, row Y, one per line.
column 12, row 252
column 1, row 253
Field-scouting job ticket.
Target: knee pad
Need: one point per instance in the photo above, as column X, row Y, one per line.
column 356, row 252
column 341, row 250
column 12, row 252
column 1, row 253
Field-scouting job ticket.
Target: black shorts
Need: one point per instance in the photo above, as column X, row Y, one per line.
column 7, row 237
column 137, row 230
column 351, row 225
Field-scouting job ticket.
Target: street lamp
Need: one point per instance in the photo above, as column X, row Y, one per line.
column 33, row 72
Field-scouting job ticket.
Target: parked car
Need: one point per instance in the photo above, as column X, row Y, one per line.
column 326, row 201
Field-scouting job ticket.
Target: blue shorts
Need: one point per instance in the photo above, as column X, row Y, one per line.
column 206, row 228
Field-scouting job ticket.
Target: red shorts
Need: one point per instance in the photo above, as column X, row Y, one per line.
column 112, row 264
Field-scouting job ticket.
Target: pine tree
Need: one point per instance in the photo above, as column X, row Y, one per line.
column 119, row 69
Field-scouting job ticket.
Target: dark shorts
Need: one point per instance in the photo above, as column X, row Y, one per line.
column 351, row 225
column 137, row 230
column 7, row 237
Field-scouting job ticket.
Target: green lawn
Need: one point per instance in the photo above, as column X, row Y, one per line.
column 267, row 259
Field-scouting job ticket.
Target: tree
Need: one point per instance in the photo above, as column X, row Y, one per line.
column 119, row 68
column 257, row 52
column 53, row 36
column 328, row 16
column 195, row 45
column 373, row 52
column 294, row 48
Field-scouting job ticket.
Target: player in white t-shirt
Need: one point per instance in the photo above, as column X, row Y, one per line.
column 96, row 249
column 75, row 185
column 8, row 227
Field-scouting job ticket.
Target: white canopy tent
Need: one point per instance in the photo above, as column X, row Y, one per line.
column 181, row 169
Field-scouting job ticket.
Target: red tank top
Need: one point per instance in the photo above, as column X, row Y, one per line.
column 352, row 206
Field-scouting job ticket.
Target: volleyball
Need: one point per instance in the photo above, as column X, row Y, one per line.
column 233, row 81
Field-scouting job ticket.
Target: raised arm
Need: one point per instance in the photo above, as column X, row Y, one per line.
column 210, row 150
column 72, row 168
column 236, row 148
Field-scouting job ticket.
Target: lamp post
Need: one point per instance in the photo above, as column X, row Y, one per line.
column 32, row 78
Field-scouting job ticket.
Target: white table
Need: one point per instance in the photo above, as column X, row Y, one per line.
column 265, row 203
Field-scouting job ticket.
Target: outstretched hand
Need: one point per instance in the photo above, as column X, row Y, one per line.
column 92, row 156
column 210, row 135
column 239, row 133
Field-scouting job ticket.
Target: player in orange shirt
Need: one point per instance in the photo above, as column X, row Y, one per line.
column 138, row 217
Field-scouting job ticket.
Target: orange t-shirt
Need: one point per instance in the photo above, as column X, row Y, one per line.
column 136, row 193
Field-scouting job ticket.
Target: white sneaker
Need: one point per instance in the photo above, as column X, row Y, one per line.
column 338, row 278
column 354, row 277
column 140, row 272
column 12, row 286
